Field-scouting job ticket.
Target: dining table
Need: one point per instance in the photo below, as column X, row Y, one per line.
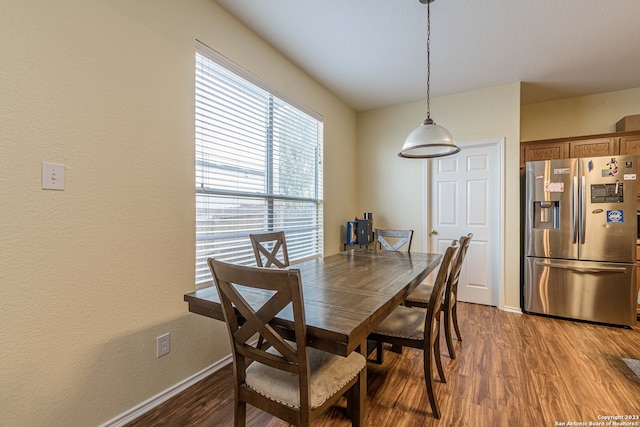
column 346, row 295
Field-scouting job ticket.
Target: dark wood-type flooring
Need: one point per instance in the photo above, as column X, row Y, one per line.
column 511, row 370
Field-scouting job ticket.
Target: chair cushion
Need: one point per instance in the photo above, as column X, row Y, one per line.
column 329, row 373
column 421, row 293
column 403, row 322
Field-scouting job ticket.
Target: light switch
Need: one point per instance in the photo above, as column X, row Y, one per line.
column 52, row 176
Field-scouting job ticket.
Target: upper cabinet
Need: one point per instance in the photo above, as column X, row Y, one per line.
column 585, row 146
column 630, row 145
column 593, row 147
column 534, row 151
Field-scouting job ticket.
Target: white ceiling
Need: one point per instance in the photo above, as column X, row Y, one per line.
column 372, row 53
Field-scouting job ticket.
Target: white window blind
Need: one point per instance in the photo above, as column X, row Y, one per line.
column 258, row 164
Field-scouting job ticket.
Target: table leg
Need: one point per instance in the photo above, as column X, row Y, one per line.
column 361, row 394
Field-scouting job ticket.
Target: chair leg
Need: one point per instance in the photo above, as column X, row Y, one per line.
column 379, row 352
column 454, row 315
column 447, row 333
column 396, row 348
column 240, row 416
column 428, row 379
column 355, row 404
column 436, row 354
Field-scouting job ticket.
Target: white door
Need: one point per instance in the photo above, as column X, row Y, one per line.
column 466, row 197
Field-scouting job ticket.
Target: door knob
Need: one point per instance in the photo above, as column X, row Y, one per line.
column 434, row 232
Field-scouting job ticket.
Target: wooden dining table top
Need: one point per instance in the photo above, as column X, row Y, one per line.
column 346, row 295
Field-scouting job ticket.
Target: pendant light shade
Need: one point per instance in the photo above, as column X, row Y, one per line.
column 429, row 139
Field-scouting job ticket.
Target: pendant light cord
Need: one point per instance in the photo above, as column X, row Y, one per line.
column 428, row 58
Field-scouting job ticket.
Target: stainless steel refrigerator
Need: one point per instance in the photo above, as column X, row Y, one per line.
column 580, row 239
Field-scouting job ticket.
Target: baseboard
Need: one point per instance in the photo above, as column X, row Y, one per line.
column 512, row 309
column 172, row 391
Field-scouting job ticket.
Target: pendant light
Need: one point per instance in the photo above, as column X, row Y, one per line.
column 429, row 139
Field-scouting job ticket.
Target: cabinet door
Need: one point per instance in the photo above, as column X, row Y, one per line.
column 594, row 147
column 544, row 151
column 631, row 145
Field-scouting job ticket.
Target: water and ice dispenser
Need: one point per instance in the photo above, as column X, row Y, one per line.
column 546, row 214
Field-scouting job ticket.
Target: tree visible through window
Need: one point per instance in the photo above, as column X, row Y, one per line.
column 258, row 165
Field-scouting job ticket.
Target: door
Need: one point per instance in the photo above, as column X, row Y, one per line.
column 630, row 145
column 466, row 197
column 609, row 219
column 551, row 209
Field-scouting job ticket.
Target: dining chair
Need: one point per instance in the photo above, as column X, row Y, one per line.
column 281, row 375
column 391, row 240
column 394, row 240
column 268, row 245
column 411, row 327
column 421, row 296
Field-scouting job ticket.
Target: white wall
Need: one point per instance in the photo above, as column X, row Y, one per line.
column 91, row 275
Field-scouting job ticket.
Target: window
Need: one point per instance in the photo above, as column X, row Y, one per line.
column 258, row 165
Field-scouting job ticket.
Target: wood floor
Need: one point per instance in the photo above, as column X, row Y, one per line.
column 511, row 370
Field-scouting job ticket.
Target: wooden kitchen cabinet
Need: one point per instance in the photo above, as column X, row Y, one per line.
column 611, row 144
column 594, row 147
column 534, row 151
column 566, row 148
column 630, row 145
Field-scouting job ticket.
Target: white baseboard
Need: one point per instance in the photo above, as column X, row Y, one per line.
column 512, row 309
column 172, row 391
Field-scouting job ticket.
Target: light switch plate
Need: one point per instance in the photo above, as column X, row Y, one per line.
column 52, row 176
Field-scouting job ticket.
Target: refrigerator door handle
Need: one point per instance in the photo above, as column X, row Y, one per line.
column 576, row 215
column 582, row 269
column 583, row 209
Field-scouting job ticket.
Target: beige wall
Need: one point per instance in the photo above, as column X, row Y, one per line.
column 91, row 275
column 394, row 188
column 584, row 115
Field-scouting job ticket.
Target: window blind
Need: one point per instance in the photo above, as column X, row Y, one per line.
column 258, row 166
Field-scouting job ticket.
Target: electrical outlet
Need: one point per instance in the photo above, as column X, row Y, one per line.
column 164, row 344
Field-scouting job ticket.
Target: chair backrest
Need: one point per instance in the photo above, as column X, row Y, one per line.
column 439, row 287
column 456, row 267
column 244, row 321
column 268, row 245
column 394, row 240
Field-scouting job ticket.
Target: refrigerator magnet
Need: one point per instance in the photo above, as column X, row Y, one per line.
column 554, row 187
column 629, row 176
column 615, row 216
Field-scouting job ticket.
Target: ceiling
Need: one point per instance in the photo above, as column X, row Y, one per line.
column 372, row 53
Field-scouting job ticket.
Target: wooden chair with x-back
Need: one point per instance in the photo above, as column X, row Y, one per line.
column 272, row 246
column 421, row 296
column 415, row 328
column 281, row 376
column 394, row 240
